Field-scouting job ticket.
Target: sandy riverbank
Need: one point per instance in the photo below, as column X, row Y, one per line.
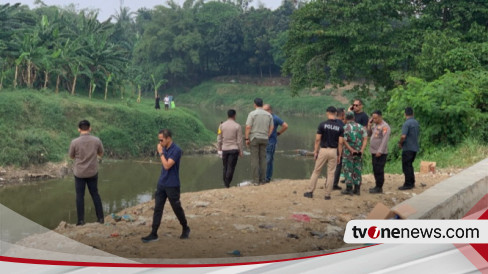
column 255, row 220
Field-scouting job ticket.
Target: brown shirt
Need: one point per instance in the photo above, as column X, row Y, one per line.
column 230, row 137
column 380, row 134
column 84, row 150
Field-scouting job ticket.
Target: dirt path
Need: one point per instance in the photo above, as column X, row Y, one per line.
column 255, row 220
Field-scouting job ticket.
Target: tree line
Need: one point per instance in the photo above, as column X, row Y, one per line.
column 63, row 48
column 408, row 51
column 431, row 55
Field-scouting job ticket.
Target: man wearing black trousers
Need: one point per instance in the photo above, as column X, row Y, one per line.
column 168, row 186
column 409, row 142
column 84, row 151
column 379, row 132
column 229, row 141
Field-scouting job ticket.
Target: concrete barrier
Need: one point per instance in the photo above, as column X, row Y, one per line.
column 453, row 197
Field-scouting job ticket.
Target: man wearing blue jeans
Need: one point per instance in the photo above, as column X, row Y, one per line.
column 84, row 150
column 272, row 141
column 168, row 186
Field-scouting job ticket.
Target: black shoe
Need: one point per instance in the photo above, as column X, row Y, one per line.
column 185, row 233
column 101, row 220
column 336, row 188
column 357, row 190
column 80, row 223
column 327, row 198
column 405, row 187
column 308, row 194
column 376, row 190
column 348, row 191
column 150, row 238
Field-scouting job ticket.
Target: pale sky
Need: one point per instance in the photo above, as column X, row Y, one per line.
column 109, row 7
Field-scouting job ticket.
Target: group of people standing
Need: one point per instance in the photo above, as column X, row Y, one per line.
column 261, row 135
column 340, row 143
column 168, row 101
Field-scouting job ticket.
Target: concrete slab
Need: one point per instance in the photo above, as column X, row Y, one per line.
column 453, row 197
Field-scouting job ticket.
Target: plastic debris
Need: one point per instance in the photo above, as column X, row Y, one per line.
column 301, row 217
column 234, row 252
column 127, row 218
column 115, row 234
column 293, row 236
column 116, row 217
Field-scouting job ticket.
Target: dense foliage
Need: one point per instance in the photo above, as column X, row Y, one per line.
column 171, row 45
column 428, row 54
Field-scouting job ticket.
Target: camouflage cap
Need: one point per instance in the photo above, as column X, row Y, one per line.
column 349, row 115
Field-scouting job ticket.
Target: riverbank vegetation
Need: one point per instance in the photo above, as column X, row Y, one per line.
column 240, row 96
column 37, row 127
column 431, row 55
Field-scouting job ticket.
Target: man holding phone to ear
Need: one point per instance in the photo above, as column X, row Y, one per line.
column 360, row 116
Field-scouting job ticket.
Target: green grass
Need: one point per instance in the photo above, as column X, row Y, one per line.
column 240, row 96
column 37, row 126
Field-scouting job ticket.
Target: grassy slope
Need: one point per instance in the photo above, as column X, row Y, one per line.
column 37, row 127
column 213, row 94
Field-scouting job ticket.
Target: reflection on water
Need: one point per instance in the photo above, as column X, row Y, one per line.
column 124, row 184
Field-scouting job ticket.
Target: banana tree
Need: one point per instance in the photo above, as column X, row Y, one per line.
column 157, row 85
column 108, row 79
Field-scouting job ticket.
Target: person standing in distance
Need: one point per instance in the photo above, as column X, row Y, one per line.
column 229, row 142
column 360, row 116
column 84, row 150
column 168, row 186
column 273, row 140
column 157, row 102
column 259, row 125
column 328, row 142
column 379, row 132
column 409, row 142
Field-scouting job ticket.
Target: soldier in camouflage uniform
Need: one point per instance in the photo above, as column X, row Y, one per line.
column 355, row 141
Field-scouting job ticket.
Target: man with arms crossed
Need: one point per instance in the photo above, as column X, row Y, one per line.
column 168, row 186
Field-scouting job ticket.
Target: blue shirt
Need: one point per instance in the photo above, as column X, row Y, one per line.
column 273, row 138
column 411, row 129
column 171, row 177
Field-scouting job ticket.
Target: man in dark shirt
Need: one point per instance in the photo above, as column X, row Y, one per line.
column 359, row 116
column 328, row 141
column 409, row 142
column 337, row 174
column 168, row 186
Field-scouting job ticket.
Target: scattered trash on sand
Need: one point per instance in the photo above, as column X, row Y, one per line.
column 301, row 217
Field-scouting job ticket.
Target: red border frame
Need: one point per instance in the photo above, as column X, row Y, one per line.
column 142, row 265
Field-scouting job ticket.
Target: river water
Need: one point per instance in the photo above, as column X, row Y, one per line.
column 127, row 183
